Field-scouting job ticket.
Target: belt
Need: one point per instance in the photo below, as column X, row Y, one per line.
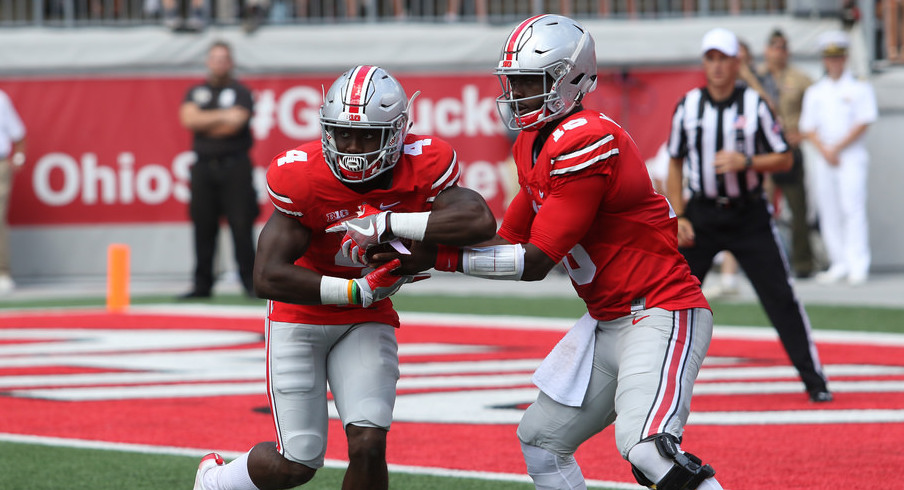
column 722, row 202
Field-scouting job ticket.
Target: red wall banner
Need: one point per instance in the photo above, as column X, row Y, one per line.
column 109, row 150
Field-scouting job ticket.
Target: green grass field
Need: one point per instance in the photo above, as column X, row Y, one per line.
column 38, row 467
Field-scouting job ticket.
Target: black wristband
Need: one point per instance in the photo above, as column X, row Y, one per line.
column 748, row 163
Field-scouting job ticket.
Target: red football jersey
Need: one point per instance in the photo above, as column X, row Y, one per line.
column 620, row 250
column 301, row 185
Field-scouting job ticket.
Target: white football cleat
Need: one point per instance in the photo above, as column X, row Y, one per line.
column 208, row 462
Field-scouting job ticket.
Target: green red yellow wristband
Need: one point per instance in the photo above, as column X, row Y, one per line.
column 339, row 291
column 354, row 293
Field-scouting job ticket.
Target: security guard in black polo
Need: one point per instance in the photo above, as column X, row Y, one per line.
column 218, row 113
column 723, row 137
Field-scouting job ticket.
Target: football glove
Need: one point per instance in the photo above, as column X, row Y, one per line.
column 380, row 284
column 369, row 228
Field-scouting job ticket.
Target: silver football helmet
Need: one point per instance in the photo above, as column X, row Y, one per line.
column 365, row 97
column 560, row 50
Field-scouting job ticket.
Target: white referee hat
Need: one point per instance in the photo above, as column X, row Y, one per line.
column 721, row 40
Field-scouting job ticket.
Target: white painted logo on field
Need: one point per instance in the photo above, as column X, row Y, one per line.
column 150, row 363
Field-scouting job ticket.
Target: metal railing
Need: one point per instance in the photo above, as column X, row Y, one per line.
column 75, row 13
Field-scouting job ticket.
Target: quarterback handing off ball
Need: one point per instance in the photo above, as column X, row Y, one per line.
column 400, row 245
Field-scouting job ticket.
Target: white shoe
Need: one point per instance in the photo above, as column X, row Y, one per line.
column 857, row 279
column 6, row 284
column 831, row 276
column 720, row 290
column 208, row 462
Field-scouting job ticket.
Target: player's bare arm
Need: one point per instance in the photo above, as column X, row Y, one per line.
column 674, row 187
column 460, row 216
column 276, row 277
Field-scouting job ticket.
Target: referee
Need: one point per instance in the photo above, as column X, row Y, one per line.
column 724, row 136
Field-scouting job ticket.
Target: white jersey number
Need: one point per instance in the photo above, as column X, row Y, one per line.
column 579, row 265
column 292, row 156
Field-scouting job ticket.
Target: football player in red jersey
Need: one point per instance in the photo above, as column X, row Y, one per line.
column 586, row 200
column 367, row 182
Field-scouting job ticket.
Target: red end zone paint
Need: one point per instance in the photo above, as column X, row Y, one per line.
column 472, row 364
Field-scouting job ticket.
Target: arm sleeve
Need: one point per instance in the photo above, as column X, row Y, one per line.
column 450, row 173
column 566, row 215
column 276, row 180
column 866, row 110
column 189, row 95
column 770, row 139
column 677, row 142
column 245, row 99
column 806, row 123
column 11, row 121
column 517, row 221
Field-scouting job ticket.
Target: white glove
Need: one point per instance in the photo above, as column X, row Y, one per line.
column 369, row 228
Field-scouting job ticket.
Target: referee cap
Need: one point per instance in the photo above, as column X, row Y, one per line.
column 833, row 43
column 721, row 40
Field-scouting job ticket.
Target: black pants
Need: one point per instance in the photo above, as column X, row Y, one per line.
column 223, row 186
column 747, row 231
column 793, row 187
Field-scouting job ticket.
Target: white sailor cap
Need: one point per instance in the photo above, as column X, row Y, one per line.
column 834, row 43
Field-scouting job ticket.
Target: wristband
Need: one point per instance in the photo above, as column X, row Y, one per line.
column 748, row 163
column 339, row 291
column 18, row 159
column 409, row 225
column 495, row 262
column 446, row 258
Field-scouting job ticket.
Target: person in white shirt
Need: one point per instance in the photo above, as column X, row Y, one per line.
column 12, row 158
column 837, row 110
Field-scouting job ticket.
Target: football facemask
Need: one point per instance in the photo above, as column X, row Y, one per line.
column 365, row 97
column 553, row 46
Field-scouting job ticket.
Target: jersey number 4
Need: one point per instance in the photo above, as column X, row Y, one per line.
column 292, row 156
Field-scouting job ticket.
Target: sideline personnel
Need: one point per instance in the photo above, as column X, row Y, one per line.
column 12, row 158
column 726, row 136
column 218, row 112
column 837, row 111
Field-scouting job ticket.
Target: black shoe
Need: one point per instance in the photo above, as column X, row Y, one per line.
column 194, row 294
column 820, row 396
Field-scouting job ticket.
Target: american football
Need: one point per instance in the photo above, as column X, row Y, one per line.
column 388, row 247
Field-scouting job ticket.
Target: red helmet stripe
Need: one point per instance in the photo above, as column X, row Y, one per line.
column 511, row 46
column 356, row 91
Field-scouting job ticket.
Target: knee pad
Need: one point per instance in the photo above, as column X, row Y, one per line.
column 305, row 448
column 679, row 470
column 550, row 471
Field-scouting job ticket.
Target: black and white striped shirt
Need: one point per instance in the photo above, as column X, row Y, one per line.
column 702, row 127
